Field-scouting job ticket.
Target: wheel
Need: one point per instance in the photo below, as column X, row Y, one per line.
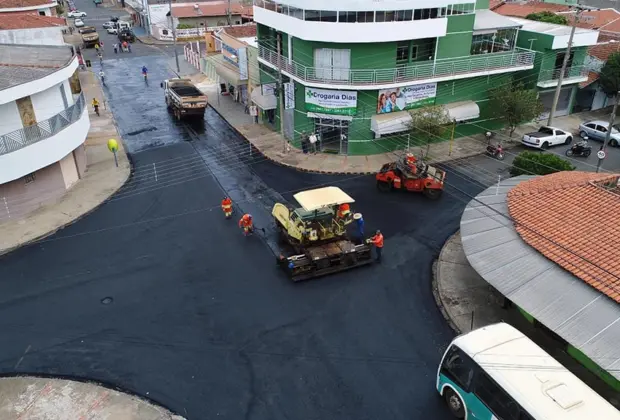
column 384, row 186
column 455, row 403
column 613, row 143
column 545, row 146
column 587, row 153
column 569, row 152
column 583, row 134
column 432, row 193
column 500, row 156
column 568, row 141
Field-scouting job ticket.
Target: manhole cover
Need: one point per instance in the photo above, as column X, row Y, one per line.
column 106, row 300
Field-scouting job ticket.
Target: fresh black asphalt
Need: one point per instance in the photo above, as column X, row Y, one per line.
column 200, row 318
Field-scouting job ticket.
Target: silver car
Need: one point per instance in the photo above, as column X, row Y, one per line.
column 597, row 130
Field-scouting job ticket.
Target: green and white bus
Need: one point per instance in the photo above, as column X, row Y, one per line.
column 497, row 373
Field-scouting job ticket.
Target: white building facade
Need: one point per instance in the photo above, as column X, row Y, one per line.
column 43, row 126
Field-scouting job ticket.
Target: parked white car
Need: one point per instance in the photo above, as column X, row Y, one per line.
column 545, row 137
column 76, row 14
column 78, row 23
column 112, row 31
column 108, row 25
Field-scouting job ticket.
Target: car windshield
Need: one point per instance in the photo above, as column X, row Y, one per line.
column 615, row 129
column 88, row 30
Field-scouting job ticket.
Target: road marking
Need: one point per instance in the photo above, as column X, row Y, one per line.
column 44, row 391
column 155, row 170
column 21, row 359
column 94, row 406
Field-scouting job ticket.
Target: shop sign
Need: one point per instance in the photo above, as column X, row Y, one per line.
column 339, row 102
column 407, row 97
column 289, row 95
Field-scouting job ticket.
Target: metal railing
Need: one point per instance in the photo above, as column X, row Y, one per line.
column 570, row 72
column 409, row 73
column 42, row 130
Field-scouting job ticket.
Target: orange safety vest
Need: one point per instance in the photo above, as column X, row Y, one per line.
column 344, row 210
column 226, row 205
column 377, row 240
column 410, row 159
column 245, row 221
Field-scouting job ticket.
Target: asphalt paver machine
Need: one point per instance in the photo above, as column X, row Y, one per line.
column 316, row 236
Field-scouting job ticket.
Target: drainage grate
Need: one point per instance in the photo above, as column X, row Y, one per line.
column 107, row 300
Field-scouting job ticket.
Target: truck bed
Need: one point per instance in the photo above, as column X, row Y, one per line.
column 186, row 91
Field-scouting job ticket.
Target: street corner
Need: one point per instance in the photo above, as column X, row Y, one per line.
column 32, row 398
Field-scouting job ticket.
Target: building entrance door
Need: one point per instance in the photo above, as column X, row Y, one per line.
column 333, row 135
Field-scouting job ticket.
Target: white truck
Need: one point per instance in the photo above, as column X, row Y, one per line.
column 545, row 137
column 183, row 99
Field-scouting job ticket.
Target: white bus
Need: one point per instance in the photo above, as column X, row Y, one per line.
column 496, row 372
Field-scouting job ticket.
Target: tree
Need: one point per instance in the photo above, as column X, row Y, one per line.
column 515, row 104
column 185, row 26
column 548, row 17
column 609, row 79
column 533, row 163
column 428, row 123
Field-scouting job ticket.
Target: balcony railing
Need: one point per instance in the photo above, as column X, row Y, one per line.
column 42, row 130
column 569, row 73
column 411, row 73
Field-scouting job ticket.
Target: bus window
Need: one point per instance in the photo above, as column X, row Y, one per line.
column 458, row 367
column 498, row 401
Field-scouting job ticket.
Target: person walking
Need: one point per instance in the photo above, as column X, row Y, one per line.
column 102, row 77
column 129, row 46
column 96, row 106
column 101, row 44
column 125, row 46
column 115, row 46
column 97, row 47
column 227, row 207
column 246, row 224
column 377, row 241
column 359, row 222
column 312, row 139
column 304, row 142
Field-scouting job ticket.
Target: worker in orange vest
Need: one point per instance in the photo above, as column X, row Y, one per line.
column 410, row 159
column 227, row 207
column 246, row 224
column 377, row 241
column 344, row 211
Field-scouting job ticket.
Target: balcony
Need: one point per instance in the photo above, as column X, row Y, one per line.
column 428, row 72
column 573, row 74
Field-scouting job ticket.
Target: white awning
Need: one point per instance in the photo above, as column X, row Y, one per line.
column 264, row 102
column 322, row 197
column 393, row 122
column 463, row 111
column 330, row 117
column 225, row 70
column 487, row 21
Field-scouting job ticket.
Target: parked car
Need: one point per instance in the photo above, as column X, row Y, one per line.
column 97, row 1
column 108, row 25
column 112, row 31
column 78, row 23
column 597, row 130
column 76, row 14
column 545, row 137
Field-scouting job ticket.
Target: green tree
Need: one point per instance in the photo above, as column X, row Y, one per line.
column 60, row 10
column 515, row 104
column 185, row 26
column 548, row 17
column 533, row 163
column 428, row 123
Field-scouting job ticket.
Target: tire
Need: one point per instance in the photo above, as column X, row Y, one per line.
column 384, row 186
column 500, row 156
column 455, row 403
column 569, row 152
column 583, row 134
column 613, row 143
column 568, row 140
column 544, row 146
column 432, row 193
column 587, row 153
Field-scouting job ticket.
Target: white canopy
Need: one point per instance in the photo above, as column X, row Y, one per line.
column 463, row 111
column 322, row 197
column 394, row 122
column 265, row 102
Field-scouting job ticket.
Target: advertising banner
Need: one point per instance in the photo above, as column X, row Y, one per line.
column 407, row 97
column 339, row 102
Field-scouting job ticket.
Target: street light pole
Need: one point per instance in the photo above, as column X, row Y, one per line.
column 174, row 39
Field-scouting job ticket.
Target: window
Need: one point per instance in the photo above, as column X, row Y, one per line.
column 403, row 15
column 434, row 13
column 270, row 5
column 237, row 22
column 443, row 12
column 329, row 16
column 414, row 52
column 458, row 367
column 295, row 12
column 332, row 64
column 390, row 16
column 365, row 17
column 417, row 14
column 348, row 17
column 29, row 179
column 498, row 401
column 41, row 13
column 313, row 15
column 426, row 13
column 402, row 51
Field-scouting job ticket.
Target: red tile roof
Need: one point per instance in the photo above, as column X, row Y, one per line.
column 594, row 19
column 25, row 20
column 604, row 50
column 494, row 4
column 246, row 31
column 522, row 10
column 572, row 219
column 592, row 77
column 209, row 10
column 13, row 4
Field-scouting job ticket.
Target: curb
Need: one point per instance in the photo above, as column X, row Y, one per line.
column 434, row 286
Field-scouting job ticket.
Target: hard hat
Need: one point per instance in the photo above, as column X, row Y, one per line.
column 249, row 216
column 357, row 216
column 378, row 231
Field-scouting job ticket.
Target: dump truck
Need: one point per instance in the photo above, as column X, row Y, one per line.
column 183, row 99
column 90, row 37
column 315, row 235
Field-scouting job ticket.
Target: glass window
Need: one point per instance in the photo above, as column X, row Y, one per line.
column 498, row 401
column 348, row 17
column 402, row 51
column 414, row 52
column 426, row 13
column 417, row 14
column 434, row 13
column 442, row 12
column 380, row 17
column 329, row 16
column 282, row 8
column 408, row 14
column 365, row 17
column 313, row 15
column 390, row 16
column 403, row 15
column 295, row 12
column 270, row 5
column 458, row 367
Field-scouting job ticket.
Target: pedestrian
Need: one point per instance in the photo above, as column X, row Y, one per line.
column 227, row 207
column 377, row 241
column 97, row 47
column 115, row 46
column 124, row 46
column 246, row 224
column 359, row 221
column 101, row 44
column 304, row 142
column 129, row 46
column 96, row 106
column 313, row 141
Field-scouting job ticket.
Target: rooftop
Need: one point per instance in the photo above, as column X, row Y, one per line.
column 25, row 63
column 524, row 9
column 23, row 20
column 549, row 28
column 604, row 50
column 246, row 31
column 584, row 241
column 593, row 19
column 13, row 4
column 210, row 9
column 592, row 77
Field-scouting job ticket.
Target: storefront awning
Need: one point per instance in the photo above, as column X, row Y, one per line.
column 393, row 122
column 225, row 70
column 463, row 111
column 487, row 22
column 330, row 116
column 264, row 102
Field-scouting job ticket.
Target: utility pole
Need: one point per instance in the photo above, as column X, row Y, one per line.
column 280, row 89
column 228, row 14
column 174, row 39
column 612, row 118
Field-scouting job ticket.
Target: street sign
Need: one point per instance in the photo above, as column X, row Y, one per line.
column 600, row 154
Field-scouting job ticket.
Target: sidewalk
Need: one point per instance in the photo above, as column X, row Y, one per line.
column 100, row 181
column 29, row 398
column 271, row 144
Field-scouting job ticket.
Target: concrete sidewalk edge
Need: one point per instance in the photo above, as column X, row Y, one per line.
column 435, row 285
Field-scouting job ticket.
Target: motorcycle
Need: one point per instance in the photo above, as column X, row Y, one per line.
column 581, row 149
column 497, row 151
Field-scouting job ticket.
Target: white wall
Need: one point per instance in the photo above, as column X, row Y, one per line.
column 9, row 118
column 68, row 93
column 48, row 103
column 363, row 5
column 352, row 32
column 34, row 36
column 21, row 162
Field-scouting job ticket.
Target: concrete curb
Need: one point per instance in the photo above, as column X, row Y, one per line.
column 435, row 287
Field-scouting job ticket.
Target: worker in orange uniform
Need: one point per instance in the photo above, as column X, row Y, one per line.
column 377, row 241
column 246, row 224
column 227, row 207
column 410, row 162
column 344, row 211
